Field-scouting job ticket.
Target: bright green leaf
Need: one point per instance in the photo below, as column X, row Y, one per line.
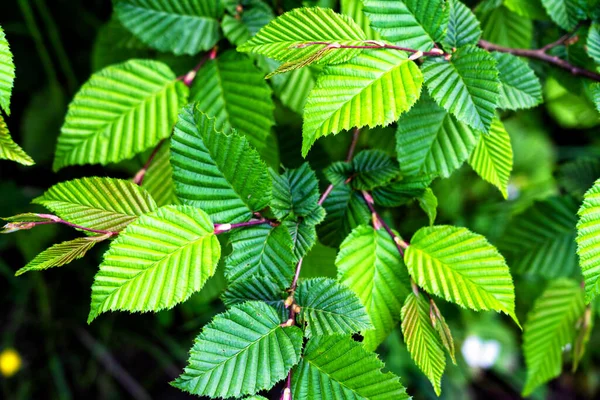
column 355, row 10
column 9, row 150
column 157, row 262
column 7, row 73
column 375, row 76
column 463, row 26
column 254, row 288
column 588, row 241
column 203, row 157
column 531, row 9
column 429, row 203
column 566, row 13
column 242, row 351
column 295, row 192
column 140, row 111
column 504, row 27
column 593, row 42
column 519, row 88
column 98, row 203
column 158, row 180
column 462, row 267
column 369, row 263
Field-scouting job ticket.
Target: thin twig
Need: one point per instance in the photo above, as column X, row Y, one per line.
column 51, row 219
column 373, row 44
column 220, row 228
column 138, row 179
column 401, row 245
column 540, row 54
column 188, row 78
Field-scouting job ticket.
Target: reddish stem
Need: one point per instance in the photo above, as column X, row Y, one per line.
column 400, row 244
column 220, row 228
column 138, row 179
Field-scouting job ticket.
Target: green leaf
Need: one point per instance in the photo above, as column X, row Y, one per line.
column 295, row 192
column 304, row 233
column 254, row 288
column 61, row 254
column 140, row 111
column 462, row 267
column 422, row 340
column 439, row 324
column 566, row 13
column 287, row 38
column 431, row 142
column 519, row 88
column 577, row 176
column 7, row 73
column 158, row 180
column 203, row 157
column 541, row 240
column 9, row 150
column 335, row 105
column 428, row 203
column 588, row 241
column 595, row 92
column 368, row 170
column 177, row 26
column 261, row 250
column 410, row 23
column 550, row 326
column 504, row 27
column 463, row 26
column 346, row 209
column 157, row 262
column 593, row 42
column 369, row 263
column 98, row 203
column 531, row 9
column 328, row 308
column 338, row 368
column 233, row 91
column 355, row 10
column 294, row 87
column 240, row 28
column 402, row 191
column 242, row 351
column 466, row 86
column 492, row 158
column 115, row 44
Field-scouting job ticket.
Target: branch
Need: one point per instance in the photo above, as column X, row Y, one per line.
column 50, row 219
column 220, row 228
column 373, row 44
column 138, row 179
column 540, row 54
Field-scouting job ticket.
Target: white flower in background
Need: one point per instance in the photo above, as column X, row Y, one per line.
column 479, row 353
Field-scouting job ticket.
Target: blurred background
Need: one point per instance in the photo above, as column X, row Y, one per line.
column 47, row 351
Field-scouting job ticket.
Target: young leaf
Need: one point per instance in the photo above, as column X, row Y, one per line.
column 203, row 157
column 329, row 308
column 288, row 38
column 177, row 26
column 588, row 241
column 439, row 323
column 550, row 326
column 566, row 13
column 416, row 24
column 466, row 86
column 295, row 192
column 345, row 209
column 422, row 340
column 338, row 368
column 428, row 203
column 234, row 92
column 157, row 262
column 461, row 267
column 504, row 27
column 519, row 88
column 61, row 254
column 492, row 158
column 304, row 233
column 541, row 240
column 431, row 142
column 98, row 203
column 402, row 191
column 369, row 263
column 334, row 105
column 368, row 170
column 7, row 74
column 140, row 111
column 463, row 27
column 261, row 250
column 9, row 150
column 242, row 351
column 593, row 42
column 158, row 180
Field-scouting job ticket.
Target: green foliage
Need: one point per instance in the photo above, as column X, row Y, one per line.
column 520, row 88
column 241, row 352
column 593, row 42
column 98, row 203
column 550, row 326
column 202, row 156
column 566, row 13
column 368, row 170
column 411, row 23
column 9, row 150
column 295, row 193
column 7, row 73
column 506, row 28
column 140, row 112
column 463, row 27
column 336, row 367
column 148, row 267
column 177, row 26
column 422, row 339
column 588, row 239
column 368, row 264
column 440, row 259
column 373, row 73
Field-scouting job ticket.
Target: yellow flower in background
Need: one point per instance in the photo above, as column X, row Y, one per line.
column 10, row 362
